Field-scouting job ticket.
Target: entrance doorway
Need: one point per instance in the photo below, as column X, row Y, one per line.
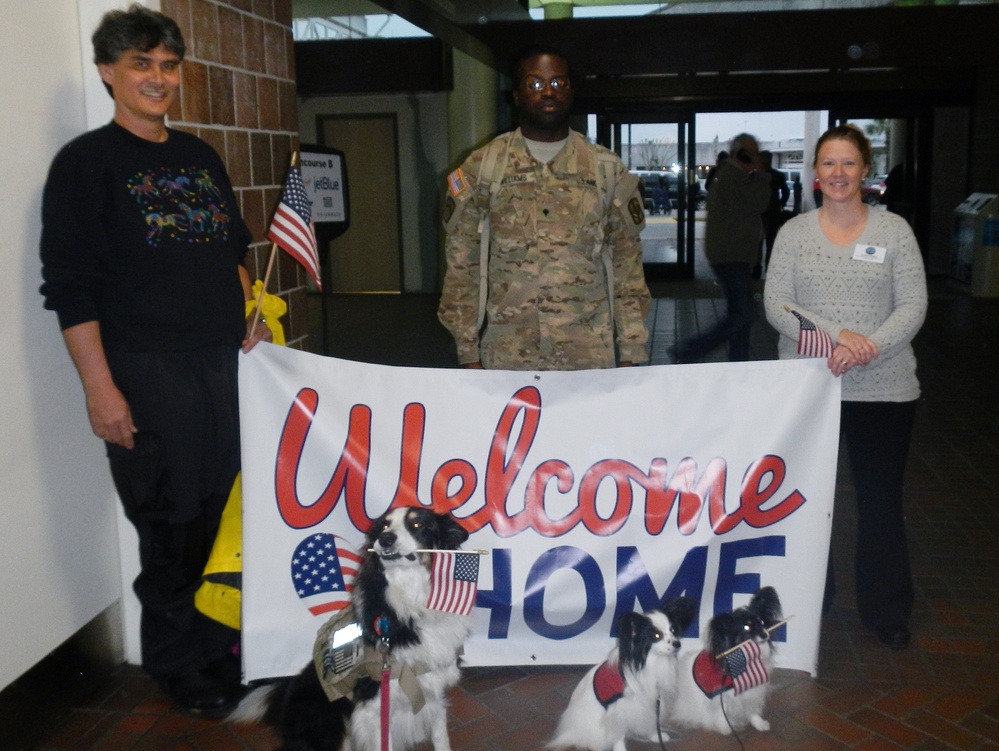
column 659, row 150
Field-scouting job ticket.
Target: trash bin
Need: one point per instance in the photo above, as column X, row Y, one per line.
column 975, row 249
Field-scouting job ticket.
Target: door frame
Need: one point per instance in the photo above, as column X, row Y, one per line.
column 610, row 123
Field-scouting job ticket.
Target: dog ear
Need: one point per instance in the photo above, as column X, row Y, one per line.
column 452, row 533
column 721, row 632
column 628, row 627
column 766, row 605
column 681, row 612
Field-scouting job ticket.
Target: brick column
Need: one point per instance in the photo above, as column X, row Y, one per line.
column 238, row 94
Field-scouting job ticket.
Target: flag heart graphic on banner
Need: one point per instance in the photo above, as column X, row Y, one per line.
column 323, row 568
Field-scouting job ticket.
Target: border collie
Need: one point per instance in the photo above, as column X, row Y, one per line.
column 396, row 628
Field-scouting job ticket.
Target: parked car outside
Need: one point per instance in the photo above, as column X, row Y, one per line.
column 659, row 191
column 873, row 189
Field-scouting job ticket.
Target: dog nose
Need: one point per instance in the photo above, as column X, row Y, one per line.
column 387, row 539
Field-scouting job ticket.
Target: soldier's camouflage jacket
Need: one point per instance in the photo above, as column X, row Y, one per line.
column 547, row 304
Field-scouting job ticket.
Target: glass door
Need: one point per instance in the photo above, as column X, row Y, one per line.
column 660, row 152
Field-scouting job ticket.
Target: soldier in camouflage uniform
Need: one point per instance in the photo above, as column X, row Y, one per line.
column 563, row 218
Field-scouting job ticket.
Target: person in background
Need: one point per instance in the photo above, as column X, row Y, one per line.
column 556, row 221
column 739, row 194
column 773, row 217
column 796, row 194
column 857, row 275
column 722, row 156
column 142, row 260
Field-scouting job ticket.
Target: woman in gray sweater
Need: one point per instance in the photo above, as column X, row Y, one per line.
column 855, row 274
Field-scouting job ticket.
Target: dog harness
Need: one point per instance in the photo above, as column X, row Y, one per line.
column 608, row 684
column 710, row 676
column 339, row 674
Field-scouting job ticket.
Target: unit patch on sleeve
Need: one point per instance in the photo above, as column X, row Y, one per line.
column 636, row 210
column 456, row 183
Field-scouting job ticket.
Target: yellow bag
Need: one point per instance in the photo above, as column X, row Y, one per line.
column 220, row 594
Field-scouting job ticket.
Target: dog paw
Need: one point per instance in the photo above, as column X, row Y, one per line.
column 759, row 723
column 661, row 734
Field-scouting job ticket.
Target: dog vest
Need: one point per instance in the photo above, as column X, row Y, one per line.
column 710, row 676
column 608, row 684
column 741, row 669
column 340, row 668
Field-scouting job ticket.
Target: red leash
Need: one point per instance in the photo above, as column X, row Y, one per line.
column 381, row 628
column 386, row 673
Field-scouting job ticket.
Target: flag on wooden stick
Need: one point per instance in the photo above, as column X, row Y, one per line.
column 745, row 667
column 812, row 341
column 291, row 228
column 453, row 582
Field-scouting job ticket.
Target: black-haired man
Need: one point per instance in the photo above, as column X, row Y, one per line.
column 554, row 222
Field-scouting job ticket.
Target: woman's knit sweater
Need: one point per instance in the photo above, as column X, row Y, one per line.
column 830, row 286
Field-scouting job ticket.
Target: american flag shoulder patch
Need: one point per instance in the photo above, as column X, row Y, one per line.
column 456, row 183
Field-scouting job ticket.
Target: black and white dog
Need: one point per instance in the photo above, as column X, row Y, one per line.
column 729, row 693
column 421, row 646
column 619, row 698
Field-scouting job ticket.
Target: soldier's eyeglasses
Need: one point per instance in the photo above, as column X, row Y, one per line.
column 558, row 83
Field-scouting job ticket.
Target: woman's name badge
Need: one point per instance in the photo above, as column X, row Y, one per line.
column 869, row 253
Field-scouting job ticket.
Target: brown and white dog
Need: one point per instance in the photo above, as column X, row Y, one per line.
column 389, row 601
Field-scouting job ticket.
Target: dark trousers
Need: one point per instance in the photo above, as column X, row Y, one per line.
column 877, row 437
column 735, row 280
column 173, row 486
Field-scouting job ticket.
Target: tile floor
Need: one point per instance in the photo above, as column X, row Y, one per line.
column 941, row 693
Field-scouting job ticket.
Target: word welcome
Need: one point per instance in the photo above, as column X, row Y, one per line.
column 761, row 502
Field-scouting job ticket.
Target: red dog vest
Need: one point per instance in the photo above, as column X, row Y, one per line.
column 608, row 684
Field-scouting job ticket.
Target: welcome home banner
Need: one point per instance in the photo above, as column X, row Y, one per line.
column 593, row 493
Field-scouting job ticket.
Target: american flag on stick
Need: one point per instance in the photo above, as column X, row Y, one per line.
column 291, row 228
column 745, row 667
column 454, row 579
column 812, row 341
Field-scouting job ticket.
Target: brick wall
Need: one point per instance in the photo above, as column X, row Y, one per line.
column 238, row 94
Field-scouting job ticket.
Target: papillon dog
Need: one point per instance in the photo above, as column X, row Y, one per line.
column 619, row 698
column 724, row 686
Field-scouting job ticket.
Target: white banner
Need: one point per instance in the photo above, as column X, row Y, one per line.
column 594, row 493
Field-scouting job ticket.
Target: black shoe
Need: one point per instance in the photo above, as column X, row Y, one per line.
column 894, row 637
column 200, row 694
column 228, row 670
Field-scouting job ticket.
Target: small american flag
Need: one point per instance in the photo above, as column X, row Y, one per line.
column 291, row 228
column 323, row 568
column 454, row 579
column 745, row 666
column 812, row 341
